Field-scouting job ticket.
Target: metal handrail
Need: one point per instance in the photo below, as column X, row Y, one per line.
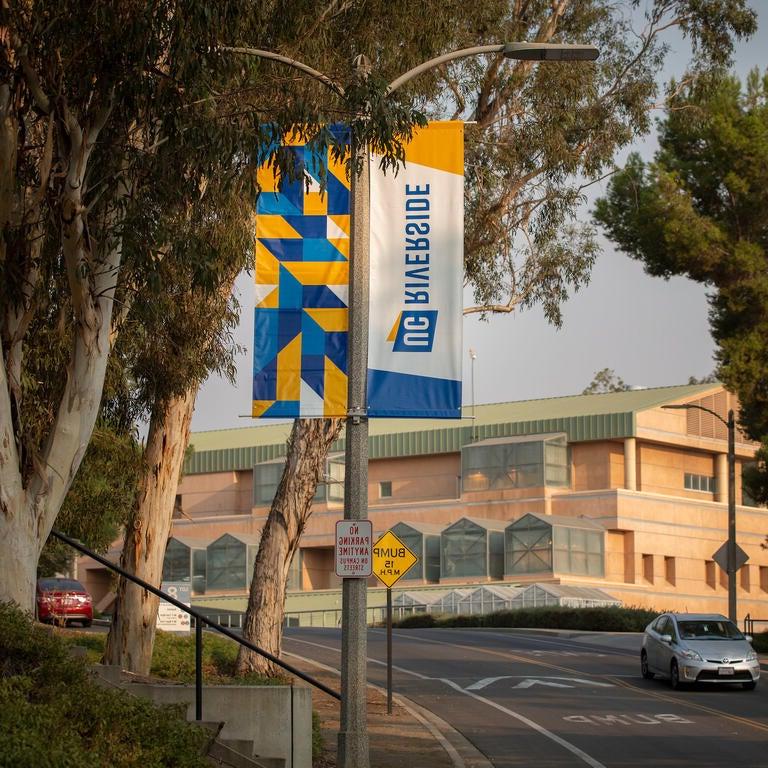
column 200, row 619
column 749, row 624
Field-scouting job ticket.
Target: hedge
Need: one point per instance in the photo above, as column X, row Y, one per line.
column 610, row 619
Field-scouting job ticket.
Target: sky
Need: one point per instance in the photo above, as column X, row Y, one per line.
column 650, row 331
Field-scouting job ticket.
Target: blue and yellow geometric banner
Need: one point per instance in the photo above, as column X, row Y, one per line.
column 302, row 276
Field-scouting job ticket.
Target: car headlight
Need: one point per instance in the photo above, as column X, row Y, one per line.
column 687, row 653
column 751, row 656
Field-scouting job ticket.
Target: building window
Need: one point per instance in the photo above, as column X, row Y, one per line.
column 710, row 573
column 648, row 568
column 505, row 463
column 702, row 483
column 745, row 580
column 723, row 578
column 764, row 578
column 669, row 570
column 385, row 489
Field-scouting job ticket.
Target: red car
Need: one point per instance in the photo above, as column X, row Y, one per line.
column 60, row 601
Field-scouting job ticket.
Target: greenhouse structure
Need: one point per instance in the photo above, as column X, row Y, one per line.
column 472, row 548
column 487, row 599
column 229, row 561
column 185, row 561
column 423, row 540
column 548, row 545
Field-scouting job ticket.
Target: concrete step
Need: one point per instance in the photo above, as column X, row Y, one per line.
column 221, row 753
column 235, row 753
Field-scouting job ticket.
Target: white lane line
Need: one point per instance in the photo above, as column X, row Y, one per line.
column 572, row 748
column 517, row 716
column 370, row 660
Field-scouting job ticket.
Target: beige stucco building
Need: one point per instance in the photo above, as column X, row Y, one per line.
column 610, row 491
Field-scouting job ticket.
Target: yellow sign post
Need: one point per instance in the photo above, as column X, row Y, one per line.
column 391, row 560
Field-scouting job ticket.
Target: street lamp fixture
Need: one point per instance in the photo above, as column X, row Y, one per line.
column 730, row 423
column 550, row 52
column 353, row 737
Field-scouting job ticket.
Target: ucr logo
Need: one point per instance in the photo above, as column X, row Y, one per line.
column 414, row 331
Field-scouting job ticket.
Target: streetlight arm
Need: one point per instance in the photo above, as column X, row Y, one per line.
column 689, row 406
column 446, row 57
column 324, row 79
column 519, row 51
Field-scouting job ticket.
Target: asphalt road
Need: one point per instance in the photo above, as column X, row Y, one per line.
column 553, row 701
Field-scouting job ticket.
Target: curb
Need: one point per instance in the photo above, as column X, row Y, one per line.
column 462, row 752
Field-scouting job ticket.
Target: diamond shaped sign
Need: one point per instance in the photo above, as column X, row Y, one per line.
column 391, row 559
column 721, row 557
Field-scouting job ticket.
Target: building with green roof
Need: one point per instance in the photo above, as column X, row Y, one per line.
column 621, row 495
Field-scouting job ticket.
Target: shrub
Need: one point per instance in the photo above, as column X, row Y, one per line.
column 52, row 713
column 760, row 642
column 415, row 620
column 608, row 619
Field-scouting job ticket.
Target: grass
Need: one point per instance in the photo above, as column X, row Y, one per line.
column 174, row 658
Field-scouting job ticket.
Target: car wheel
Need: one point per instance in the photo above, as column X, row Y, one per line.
column 674, row 676
column 86, row 623
column 750, row 686
column 646, row 673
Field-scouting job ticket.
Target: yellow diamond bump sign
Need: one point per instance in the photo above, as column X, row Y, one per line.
column 391, row 559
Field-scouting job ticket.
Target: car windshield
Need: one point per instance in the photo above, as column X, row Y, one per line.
column 69, row 585
column 709, row 630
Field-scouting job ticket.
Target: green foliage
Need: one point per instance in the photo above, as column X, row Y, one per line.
column 760, row 642
column 100, row 499
column 701, row 210
column 52, row 713
column 605, row 381
column 610, row 619
column 318, row 743
column 174, row 659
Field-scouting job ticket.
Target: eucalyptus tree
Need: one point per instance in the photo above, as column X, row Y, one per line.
column 174, row 341
column 537, row 137
column 108, row 111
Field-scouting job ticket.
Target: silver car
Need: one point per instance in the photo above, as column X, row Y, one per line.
column 696, row 648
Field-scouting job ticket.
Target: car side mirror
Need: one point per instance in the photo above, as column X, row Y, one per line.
column 666, row 639
column 748, row 638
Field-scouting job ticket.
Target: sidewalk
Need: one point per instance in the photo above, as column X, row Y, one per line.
column 410, row 737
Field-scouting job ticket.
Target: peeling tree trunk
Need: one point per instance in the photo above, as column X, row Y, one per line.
column 132, row 634
column 308, row 447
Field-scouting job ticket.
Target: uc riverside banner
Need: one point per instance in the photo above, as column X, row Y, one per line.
column 417, row 245
column 302, row 275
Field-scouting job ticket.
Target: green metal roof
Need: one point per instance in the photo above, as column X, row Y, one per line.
column 581, row 417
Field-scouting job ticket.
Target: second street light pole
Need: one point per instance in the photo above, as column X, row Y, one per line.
column 731, row 424
column 731, row 570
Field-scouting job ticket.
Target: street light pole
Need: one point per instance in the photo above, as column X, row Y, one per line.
column 353, row 749
column 352, row 743
column 730, row 423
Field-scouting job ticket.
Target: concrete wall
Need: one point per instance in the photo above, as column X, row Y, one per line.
column 217, row 493
column 261, row 714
